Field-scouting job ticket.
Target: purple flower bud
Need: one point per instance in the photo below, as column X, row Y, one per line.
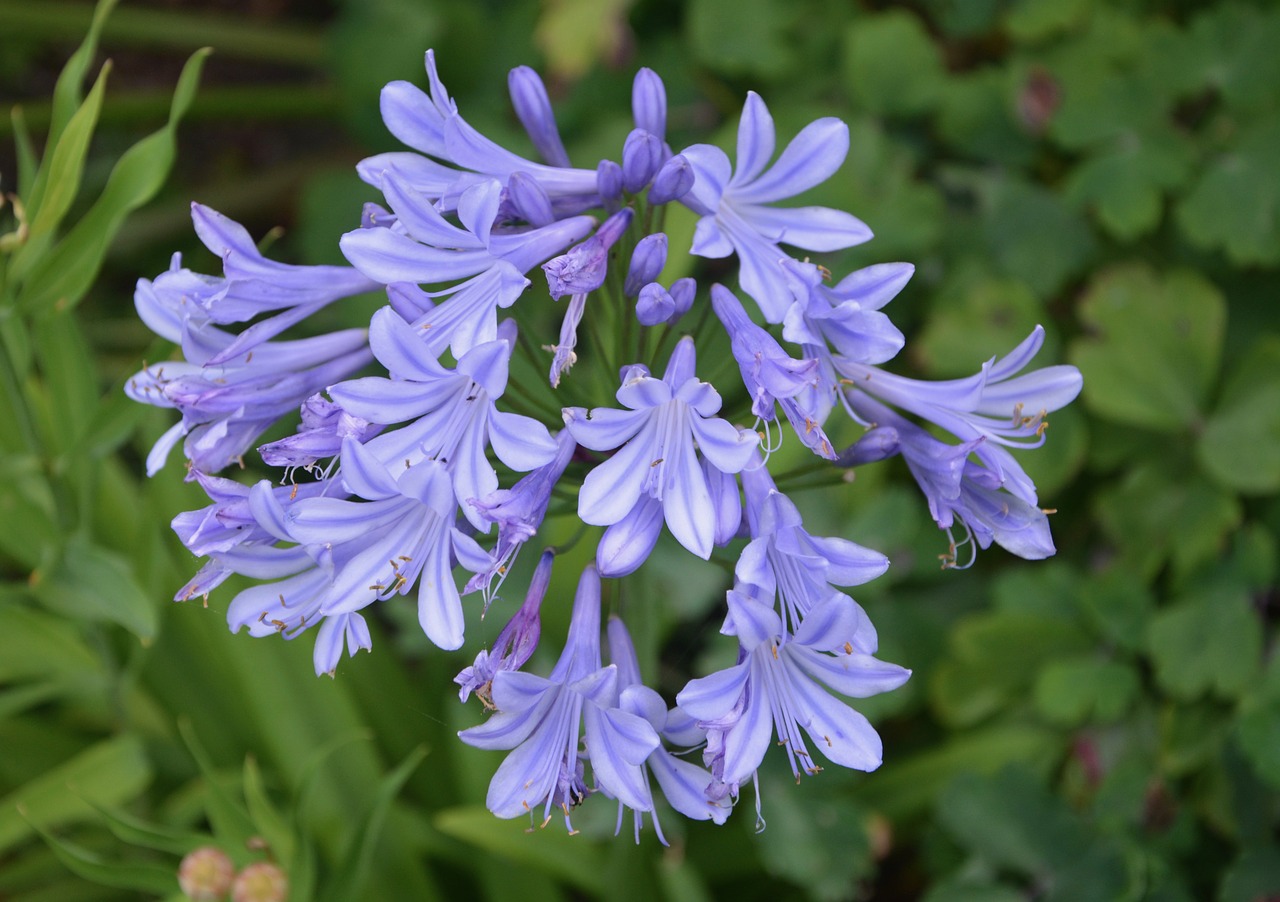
column 642, row 156
column 649, row 103
column 609, row 184
column 528, row 200
column 673, row 181
column 655, row 305
column 581, row 269
column 646, row 263
column 877, row 444
column 515, row 644
column 533, row 107
column 682, row 292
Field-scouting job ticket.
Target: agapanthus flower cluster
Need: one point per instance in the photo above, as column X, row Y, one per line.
column 414, row 439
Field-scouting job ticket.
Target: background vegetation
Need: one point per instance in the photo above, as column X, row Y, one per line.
column 1102, row 726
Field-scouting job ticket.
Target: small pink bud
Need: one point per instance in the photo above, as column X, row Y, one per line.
column 205, row 874
column 261, row 881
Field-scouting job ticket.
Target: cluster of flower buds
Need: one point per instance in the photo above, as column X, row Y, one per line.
column 389, row 484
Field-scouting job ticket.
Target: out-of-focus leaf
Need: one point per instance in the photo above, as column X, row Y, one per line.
column 35, row 645
column 906, row 787
column 737, row 37
column 270, row 823
column 1154, row 514
column 140, row 834
column 64, row 275
column 1209, row 643
column 25, row 153
column 93, row 583
column 1154, row 348
column 231, row 823
column 1234, row 205
column 1231, row 49
column 891, row 64
column 1118, row 605
column 1255, row 875
column 364, row 836
column 1240, row 445
column 961, row 890
column 1032, row 235
column 551, row 850
column 975, row 117
column 29, row 530
column 66, row 366
column 975, row 321
column 89, row 865
column 993, row 660
column 110, row 773
column 16, row 699
column 1125, row 184
column 1033, row 20
column 1083, row 690
column 815, row 837
column 375, row 42
column 1258, row 727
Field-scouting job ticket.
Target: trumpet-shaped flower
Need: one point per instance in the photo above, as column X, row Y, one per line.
column 735, row 202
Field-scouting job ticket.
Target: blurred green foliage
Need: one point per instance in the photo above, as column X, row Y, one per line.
column 1104, row 726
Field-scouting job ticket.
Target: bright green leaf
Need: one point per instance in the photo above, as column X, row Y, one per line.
column 1240, row 445
column 1154, row 346
column 1208, row 643
column 1125, row 183
column 29, row 529
column 891, row 64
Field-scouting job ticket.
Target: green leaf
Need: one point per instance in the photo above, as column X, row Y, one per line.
column 52, row 198
column 231, row 823
column 1082, row 690
column 1118, row 605
column 35, row 645
column 96, row 584
column 25, row 153
column 891, row 64
column 110, row 773
column 64, row 274
column 67, row 92
column 978, row 319
column 742, row 38
column 1240, row 445
column 1033, row 20
column 1125, row 183
column 976, row 118
column 1234, row 205
column 1154, row 346
column 29, row 530
column 576, row 35
column 89, row 865
column 1258, row 726
column 143, row 835
column 994, row 657
column 571, row 858
column 1155, row 514
column 1255, row 875
column 67, row 368
column 1206, row 643
column 815, row 837
column 907, row 787
column 363, row 838
column 270, row 824
column 1032, row 235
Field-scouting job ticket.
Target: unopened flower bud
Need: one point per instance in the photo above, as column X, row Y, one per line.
column 609, row 184
column 672, row 182
column 649, row 103
column 647, row 261
column 682, row 292
column 533, row 107
column 654, row 305
column 642, row 156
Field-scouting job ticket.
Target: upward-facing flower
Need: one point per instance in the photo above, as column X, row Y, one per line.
column 735, row 202
column 655, row 473
column 776, row 687
column 542, row 719
column 449, row 415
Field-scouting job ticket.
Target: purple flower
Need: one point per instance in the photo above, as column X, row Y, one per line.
column 682, row 782
column 581, row 270
column 450, row 415
column 673, row 181
column 649, row 103
column 996, row 405
column 783, row 559
column 735, row 202
column 847, row 317
column 515, row 644
column 325, row 426
column 430, row 123
column 519, row 512
column 656, row 462
column 770, row 374
column 533, row 108
column 647, row 261
column 543, row 719
column 778, row 686
column 643, row 154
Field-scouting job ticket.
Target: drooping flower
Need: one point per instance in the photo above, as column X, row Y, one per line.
column 781, row 685
column 542, row 721
column 682, row 782
column 656, row 465
column 514, row 645
column 735, row 202
column 847, row 315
